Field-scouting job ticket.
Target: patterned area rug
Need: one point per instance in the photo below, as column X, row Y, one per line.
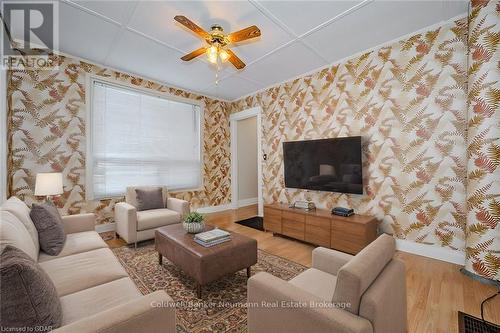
column 222, row 307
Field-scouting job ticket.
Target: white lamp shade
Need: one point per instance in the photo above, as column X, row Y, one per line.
column 49, row 183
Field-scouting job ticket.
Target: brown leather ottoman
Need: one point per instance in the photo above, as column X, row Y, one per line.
column 205, row 264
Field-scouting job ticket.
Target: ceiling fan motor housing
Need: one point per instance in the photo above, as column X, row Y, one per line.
column 217, row 36
column 216, row 27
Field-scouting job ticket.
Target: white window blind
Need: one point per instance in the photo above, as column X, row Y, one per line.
column 141, row 139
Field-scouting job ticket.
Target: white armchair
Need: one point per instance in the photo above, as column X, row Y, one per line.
column 134, row 226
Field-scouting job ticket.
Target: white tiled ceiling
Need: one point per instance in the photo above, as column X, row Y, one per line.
column 290, row 61
column 302, row 18
column 232, row 87
column 141, row 37
column 118, row 11
column 378, row 22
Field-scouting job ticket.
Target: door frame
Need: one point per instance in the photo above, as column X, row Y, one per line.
column 233, row 119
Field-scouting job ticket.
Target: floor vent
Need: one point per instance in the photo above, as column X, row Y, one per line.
column 471, row 324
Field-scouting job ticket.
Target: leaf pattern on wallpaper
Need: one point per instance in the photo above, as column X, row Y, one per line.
column 47, row 133
column 408, row 101
column 483, row 183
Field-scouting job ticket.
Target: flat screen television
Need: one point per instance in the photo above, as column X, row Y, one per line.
column 332, row 165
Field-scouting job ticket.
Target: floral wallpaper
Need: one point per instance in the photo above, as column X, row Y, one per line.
column 483, row 149
column 408, row 102
column 47, row 115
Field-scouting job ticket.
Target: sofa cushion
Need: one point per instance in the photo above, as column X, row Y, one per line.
column 83, row 270
column 13, row 232
column 149, row 198
column 316, row 282
column 20, row 210
column 77, row 243
column 48, row 223
column 154, row 218
column 359, row 273
column 29, row 298
column 131, row 195
column 97, row 299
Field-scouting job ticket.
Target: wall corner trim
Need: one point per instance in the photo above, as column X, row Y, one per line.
column 430, row 251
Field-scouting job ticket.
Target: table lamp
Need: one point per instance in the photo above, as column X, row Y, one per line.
column 48, row 184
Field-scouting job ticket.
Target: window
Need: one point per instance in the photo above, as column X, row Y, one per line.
column 136, row 138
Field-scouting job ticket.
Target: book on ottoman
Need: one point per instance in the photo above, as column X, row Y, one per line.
column 212, row 243
column 212, row 237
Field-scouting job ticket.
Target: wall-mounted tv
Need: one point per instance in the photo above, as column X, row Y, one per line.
column 332, row 165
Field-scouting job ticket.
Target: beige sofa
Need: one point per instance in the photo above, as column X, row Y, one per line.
column 95, row 291
column 135, row 226
column 341, row 293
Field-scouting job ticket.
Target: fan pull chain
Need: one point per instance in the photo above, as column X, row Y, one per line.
column 217, row 68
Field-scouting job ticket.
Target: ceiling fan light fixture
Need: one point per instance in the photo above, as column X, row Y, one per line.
column 212, row 54
column 223, row 55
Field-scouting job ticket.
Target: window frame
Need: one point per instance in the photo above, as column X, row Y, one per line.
column 90, row 80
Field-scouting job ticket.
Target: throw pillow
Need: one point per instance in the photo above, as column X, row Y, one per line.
column 50, row 229
column 149, row 198
column 29, row 298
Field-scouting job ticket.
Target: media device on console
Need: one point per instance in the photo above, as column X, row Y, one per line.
column 341, row 211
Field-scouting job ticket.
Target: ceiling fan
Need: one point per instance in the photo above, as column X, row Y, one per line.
column 217, row 41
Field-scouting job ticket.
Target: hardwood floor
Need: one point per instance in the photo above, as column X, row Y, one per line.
column 436, row 290
column 244, row 213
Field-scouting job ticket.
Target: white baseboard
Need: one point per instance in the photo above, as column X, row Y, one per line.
column 214, row 209
column 248, row 202
column 105, row 227
column 430, row 251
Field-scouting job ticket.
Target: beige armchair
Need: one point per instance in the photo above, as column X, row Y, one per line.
column 341, row 293
column 135, row 226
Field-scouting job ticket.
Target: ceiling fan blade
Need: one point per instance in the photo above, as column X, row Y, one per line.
column 241, row 35
column 191, row 26
column 235, row 60
column 194, row 54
